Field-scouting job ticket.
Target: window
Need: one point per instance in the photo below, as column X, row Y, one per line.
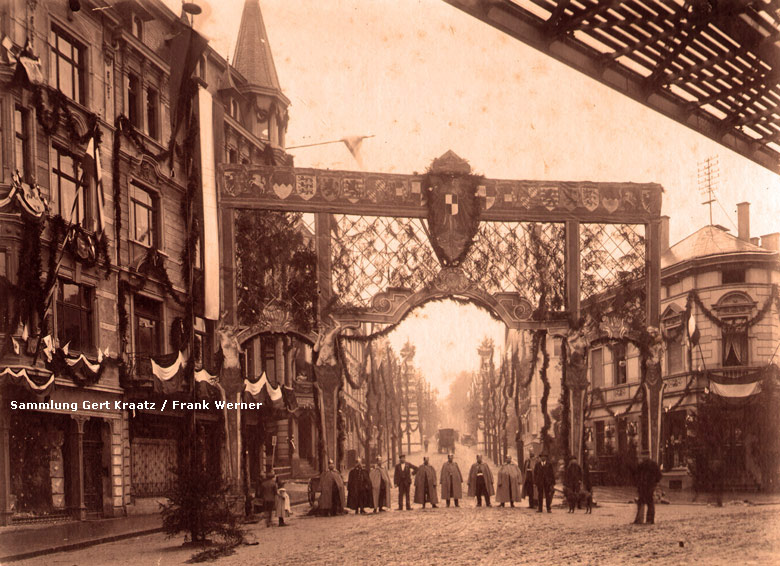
column 234, row 108
column 21, row 142
column 66, row 65
column 199, row 354
column 202, row 67
column 148, row 327
column 735, row 308
column 65, row 172
column 74, row 316
column 733, row 276
column 735, row 347
column 600, row 445
column 263, row 127
column 672, row 324
column 675, row 353
column 152, row 113
column 138, row 28
column 133, row 100
column 619, row 363
column 143, row 210
column 597, row 367
column 232, row 156
column 269, row 358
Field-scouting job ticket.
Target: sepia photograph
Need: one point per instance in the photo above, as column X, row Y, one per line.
column 389, row 282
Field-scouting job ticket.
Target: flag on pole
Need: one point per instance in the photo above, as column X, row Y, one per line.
column 93, row 172
column 693, row 330
column 186, row 48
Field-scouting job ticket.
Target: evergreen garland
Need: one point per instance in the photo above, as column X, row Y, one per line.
column 565, row 403
column 49, row 120
column 546, row 389
column 686, row 392
column 693, row 298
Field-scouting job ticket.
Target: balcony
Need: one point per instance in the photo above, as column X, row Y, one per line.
column 139, row 370
column 737, row 374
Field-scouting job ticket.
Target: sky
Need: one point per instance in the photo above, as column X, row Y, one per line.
column 424, row 77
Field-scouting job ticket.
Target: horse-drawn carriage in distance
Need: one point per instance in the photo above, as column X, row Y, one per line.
column 446, row 440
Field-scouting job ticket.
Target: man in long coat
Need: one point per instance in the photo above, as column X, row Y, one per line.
column 402, row 478
column 572, row 480
column 451, row 480
column 268, row 492
column 380, row 486
column 528, row 480
column 544, row 477
column 359, row 488
column 481, row 482
column 425, row 485
column 332, row 500
column 648, row 474
column 508, row 489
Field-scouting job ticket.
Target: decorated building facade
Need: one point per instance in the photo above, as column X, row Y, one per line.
column 720, row 321
column 110, row 273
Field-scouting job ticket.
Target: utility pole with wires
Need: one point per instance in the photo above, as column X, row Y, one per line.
column 709, row 174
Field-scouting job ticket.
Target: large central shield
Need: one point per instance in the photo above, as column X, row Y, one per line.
column 453, row 208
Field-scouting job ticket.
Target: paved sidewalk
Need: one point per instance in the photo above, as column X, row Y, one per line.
column 27, row 541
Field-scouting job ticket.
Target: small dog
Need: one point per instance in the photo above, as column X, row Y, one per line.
column 586, row 498
column 579, row 499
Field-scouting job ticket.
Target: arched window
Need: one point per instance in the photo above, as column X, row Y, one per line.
column 735, row 308
column 672, row 324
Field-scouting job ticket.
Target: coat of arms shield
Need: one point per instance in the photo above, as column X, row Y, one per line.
column 453, row 208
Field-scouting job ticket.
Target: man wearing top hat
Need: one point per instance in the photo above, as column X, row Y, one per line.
column 544, row 477
column 402, row 478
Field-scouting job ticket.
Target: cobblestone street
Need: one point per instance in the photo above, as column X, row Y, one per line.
column 684, row 534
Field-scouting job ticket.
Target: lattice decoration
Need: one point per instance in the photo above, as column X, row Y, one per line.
column 520, row 257
column 372, row 253
column 307, row 223
column 276, row 265
column 611, row 255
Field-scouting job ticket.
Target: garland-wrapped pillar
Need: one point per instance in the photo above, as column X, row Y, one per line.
column 654, row 390
column 576, row 371
column 232, row 381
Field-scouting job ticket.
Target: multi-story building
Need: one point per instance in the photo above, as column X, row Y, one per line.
column 721, row 289
column 105, row 295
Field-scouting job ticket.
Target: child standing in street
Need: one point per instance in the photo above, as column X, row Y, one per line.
column 282, row 503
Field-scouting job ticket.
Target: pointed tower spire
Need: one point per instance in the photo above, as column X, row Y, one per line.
column 252, row 57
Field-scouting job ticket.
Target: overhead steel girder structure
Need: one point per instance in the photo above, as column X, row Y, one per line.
column 712, row 65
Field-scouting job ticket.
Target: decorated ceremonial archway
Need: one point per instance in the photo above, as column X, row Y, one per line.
column 536, row 254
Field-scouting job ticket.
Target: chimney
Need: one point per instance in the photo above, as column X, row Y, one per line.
column 771, row 242
column 756, row 241
column 663, row 233
column 743, row 221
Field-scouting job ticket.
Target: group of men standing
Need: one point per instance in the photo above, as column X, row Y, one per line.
column 371, row 488
column 368, row 489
